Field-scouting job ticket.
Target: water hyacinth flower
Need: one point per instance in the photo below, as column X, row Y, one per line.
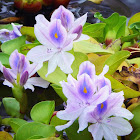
column 21, row 72
column 6, row 34
column 69, row 22
column 107, row 119
column 81, row 94
column 55, row 44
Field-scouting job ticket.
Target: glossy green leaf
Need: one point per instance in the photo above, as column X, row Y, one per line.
column 118, row 86
column 135, row 135
column 56, row 121
column 15, row 123
column 25, row 48
column 58, row 90
column 42, row 111
column 79, row 58
column 134, row 18
column 34, row 129
column 54, row 77
column 50, row 138
column 94, row 30
column 4, row 59
column 11, row 106
column 136, row 119
column 27, row 31
column 88, row 47
column 35, row 137
column 115, row 60
column 9, row 46
column 73, row 135
column 129, row 37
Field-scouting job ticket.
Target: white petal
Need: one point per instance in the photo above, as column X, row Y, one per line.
column 29, row 86
column 39, row 54
column 33, row 68
column 122, row 112
column 62, row 127
column 7, row 83
column 38, row 81
column 82, row 37
column 65, row 61
column 96, row 131
column 108, row 133
column 119, row 126
column 52, row 64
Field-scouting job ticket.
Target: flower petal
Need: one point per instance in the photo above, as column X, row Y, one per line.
column 108, row 133
column 88, row 68
column 7, row 83
column 52, row 64
column 62, row 127
column 119, row 126
column 40, row 54
column 28, row 85
column 5, row 35
column 65, row 61
column 16, row 30
column 57, row 33
column 82, row 37
column 24, row 78
column 38, row 81
column 96, row 131
column 66, row 17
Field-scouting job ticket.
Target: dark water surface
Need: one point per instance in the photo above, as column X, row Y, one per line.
column 80, row 7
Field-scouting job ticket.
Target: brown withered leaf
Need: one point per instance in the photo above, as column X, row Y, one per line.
column 129, row 76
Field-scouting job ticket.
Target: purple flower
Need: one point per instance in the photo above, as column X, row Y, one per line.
column 107, row 119
column 56, row 42
column 81, row 94
column 21, row 72
column 6, row 34
column 71, row 25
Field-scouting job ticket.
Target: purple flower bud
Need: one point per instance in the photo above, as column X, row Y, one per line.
column 8, row 76
column 21, row 64
column 24, row 78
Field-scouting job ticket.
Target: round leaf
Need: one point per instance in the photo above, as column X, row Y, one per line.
column 42, row 112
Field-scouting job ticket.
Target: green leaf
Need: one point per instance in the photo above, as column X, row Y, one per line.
column 134, row 18
column 134, row 61
column 12, row 106
column 136, row 121
column 135, row 135
column 9, row 46
column 27, row 31
column 79, row 58
column 35, row 137
column 115, row 60
column 135, row 27
column 25, row 48
column 73, row 135
column 54, row 77
column 94, row 30
column 88, row 47
column 59, row 91
column 15, row 123
column 118, row 86
column 4, row 59
column 42, row 111
column 50, row 138
column 34, row 129
column 56, row 121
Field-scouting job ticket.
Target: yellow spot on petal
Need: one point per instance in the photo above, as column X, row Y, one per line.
column 56, row 36
column 85, row 90
column 102, row 105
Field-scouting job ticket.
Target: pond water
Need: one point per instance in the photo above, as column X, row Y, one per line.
column 79, row 7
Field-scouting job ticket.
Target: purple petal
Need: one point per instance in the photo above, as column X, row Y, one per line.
column 78, row 31
column 24, row 78
column 57, row 33
column 66, row 17
column 101, row 108
column 16, row 30
column 85, row 87
column 8, row 76
column 82, row 37
column 5, row 35
column 88, row 68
